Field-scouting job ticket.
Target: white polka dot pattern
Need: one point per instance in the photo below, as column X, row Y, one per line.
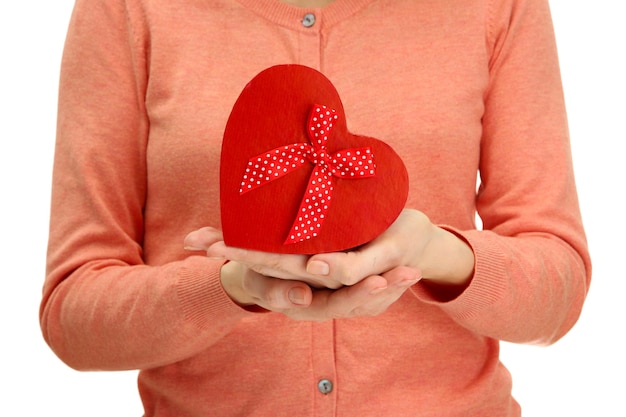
column 352, row 163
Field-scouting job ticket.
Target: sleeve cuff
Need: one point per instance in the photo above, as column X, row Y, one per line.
column 486, row 287
column 202, row 298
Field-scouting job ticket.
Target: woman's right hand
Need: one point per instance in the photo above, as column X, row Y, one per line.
column 277, row 265
column 368, row 297
column 280, row 283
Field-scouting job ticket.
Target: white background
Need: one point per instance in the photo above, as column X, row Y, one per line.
column 581, row 375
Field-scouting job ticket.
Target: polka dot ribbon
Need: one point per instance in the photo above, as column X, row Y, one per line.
column 352, row 163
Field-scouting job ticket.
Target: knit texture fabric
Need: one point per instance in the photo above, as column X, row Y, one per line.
column 465, row 88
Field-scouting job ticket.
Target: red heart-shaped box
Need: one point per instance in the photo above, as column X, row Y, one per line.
column 273, row 111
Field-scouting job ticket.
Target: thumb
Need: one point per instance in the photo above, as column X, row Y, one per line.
column 202, row 238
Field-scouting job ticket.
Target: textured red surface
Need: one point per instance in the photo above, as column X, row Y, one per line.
column 273, row 111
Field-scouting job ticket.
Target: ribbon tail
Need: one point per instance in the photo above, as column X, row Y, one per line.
column 313, row 207
column 272, row 165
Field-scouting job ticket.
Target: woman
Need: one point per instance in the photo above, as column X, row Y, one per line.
column 408, row 324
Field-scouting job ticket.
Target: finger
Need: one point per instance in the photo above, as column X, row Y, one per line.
column 369, row 297
column 211, row 240
column 379, row 298
column 283, row 266
column 399, row 280
column 402, row 276
column 202, row 239
column 345, row 302
column 401, row 244
column 277, row 294
column 350, row 267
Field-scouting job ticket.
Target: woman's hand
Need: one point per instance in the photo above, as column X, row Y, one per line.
column 412, row 240
column 370, row 296
column 278, row 283
column 283, row 266
column 363, row 281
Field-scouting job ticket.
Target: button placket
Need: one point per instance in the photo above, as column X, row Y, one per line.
column 323, row 364
column 310, row 39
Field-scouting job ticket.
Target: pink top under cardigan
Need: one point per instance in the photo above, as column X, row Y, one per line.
column 145, row 92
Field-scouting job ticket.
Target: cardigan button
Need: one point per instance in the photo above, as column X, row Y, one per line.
column 308, row 20
column 325, row 386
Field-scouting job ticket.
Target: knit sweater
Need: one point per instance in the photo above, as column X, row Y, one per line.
column 467, row 88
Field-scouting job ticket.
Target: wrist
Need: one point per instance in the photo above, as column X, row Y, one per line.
column 448, row 260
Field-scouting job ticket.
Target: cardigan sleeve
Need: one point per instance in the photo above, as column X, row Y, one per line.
column 102, row 307
column 532, row 268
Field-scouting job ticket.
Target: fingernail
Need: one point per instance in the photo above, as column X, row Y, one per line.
column 297, row 295
column 189, row 247
column 318, row 268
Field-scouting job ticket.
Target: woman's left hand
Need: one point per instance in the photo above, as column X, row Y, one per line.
column 411, row 241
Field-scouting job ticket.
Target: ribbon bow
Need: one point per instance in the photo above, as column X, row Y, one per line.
column 352, row 163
